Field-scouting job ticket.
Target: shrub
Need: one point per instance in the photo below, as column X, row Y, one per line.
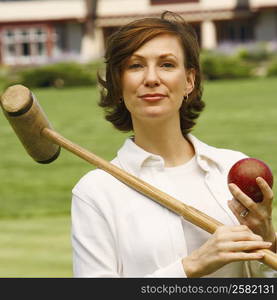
column 272, row 69
column 258, row 53
column 57, row 75
column 4, row 76
column 219, row 66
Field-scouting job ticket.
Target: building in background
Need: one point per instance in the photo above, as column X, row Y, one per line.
column 45, row 31
column 41, row 31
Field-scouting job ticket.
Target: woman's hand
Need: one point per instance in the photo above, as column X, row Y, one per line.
column 257, row 216
column 226, row 245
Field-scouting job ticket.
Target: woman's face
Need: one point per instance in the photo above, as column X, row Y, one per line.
column 155, row 81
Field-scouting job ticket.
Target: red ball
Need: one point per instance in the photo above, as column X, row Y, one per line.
column 244, row 173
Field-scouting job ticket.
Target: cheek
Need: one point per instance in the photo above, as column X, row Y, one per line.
column 176, row 82
column 132, row 79
column 177, row 87
column 130, row 82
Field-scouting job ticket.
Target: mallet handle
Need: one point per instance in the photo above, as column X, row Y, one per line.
column 191, row 214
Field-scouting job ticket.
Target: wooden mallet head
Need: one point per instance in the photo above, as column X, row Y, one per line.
column 28, row 120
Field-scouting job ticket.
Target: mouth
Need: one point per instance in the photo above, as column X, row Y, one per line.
column 152, row 97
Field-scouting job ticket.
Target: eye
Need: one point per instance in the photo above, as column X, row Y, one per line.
column 135, row 66
column 167, row 65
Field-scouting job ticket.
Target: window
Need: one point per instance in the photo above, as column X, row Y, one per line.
column 24, row 45
column 236, row 31
column 160, row 2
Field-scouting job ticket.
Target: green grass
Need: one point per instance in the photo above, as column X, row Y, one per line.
column 35, row 199
column 241, row 115
column 28, row 188
column 35, row 247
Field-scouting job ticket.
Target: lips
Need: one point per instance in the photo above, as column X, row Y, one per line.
column 152, row 97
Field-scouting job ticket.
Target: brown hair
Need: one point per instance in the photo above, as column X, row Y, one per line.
column 124, row 42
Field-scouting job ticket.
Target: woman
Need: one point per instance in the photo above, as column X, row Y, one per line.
column 153, row 88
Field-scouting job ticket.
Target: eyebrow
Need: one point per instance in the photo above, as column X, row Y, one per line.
column 165, row 55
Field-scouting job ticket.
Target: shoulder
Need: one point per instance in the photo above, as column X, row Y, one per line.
column 95, row 181
column 102, row 192
column 227, row 157
column 222, row 157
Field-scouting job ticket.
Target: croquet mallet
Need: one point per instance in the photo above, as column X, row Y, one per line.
column 43, row 145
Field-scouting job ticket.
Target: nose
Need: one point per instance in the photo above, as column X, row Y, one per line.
column 151, row 77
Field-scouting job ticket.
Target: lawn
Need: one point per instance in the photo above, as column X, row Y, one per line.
column 35, row 247
column 35, row 199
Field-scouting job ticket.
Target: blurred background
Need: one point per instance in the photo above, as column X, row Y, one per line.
column 56, row 47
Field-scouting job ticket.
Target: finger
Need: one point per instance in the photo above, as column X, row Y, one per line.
column 246, row 246
column 266, row 190
column 232, row 228
column 242, row 197
column 244, row 236
column 236, row 233
column 237, row 212
column 241, row 256
column 235, row 206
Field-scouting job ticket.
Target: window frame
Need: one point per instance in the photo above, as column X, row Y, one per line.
column 162, row 2
column 20, row 48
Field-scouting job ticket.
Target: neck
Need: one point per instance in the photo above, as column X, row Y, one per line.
column 165, row 140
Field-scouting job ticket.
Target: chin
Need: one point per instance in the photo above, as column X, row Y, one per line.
column 154, row 112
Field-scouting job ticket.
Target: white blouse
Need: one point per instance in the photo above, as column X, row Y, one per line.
column 118, row 232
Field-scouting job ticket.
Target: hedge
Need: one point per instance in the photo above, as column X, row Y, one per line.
column 272, row 69
column 57, row 75
column 219, row 66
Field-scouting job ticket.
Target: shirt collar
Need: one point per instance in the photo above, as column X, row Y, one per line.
column 132, row 157
column 205, row 154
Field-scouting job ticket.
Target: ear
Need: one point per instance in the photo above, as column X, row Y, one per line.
column 190, row 79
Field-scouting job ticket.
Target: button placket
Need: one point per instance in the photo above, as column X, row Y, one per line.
column 215, row 185
column 177, row 234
